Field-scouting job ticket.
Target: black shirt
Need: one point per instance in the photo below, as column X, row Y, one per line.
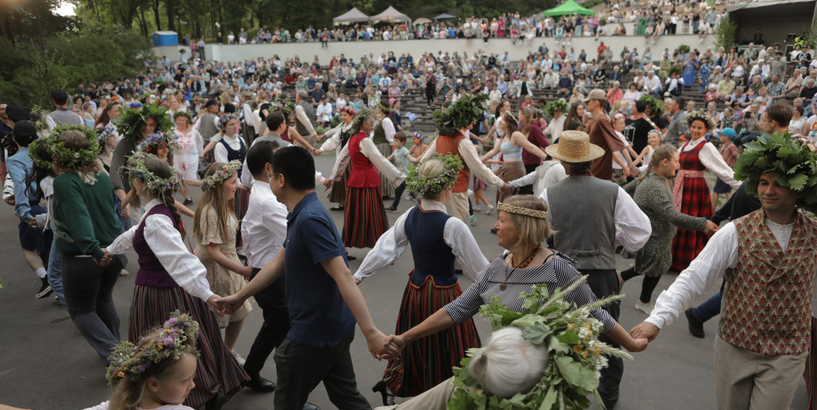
column 636, row 133
column 740, row 204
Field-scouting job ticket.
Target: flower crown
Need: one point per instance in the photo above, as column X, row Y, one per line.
column 699, row 115
column 226, row 171
column 225, row 119
column 185, row 114
column 127, row 360
column 132, row 121
column 512, row 117
column 348, row 110
column 519, row 210
column 153, row 183
column 32, row 153
column 152, row 142
column 431, row 187
column 68, row 157
column 383, row 108
column 105, row 134
column 361, row 116
column 467, row 110
column 556, row 105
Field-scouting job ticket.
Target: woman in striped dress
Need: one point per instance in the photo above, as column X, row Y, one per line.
column 364, row 214
column 338, row 138
column 437, row 241
column 171, row 278
column 691, row 192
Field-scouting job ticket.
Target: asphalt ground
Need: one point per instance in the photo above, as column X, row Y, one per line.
column 46, row 364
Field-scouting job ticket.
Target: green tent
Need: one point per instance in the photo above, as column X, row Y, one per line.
column 567, row 9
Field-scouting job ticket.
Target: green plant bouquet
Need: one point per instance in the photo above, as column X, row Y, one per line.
column 779, row 152
column 575, row 358
column 466, row 111
column 655, row 105
column 556, row 105
column 132, row 121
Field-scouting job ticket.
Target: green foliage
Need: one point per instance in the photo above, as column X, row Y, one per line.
column 779, row 152
column 572, row 373
column 807, row 38
column 683, row 49
column 655, row 105
column 725, row 33
column 466, row 111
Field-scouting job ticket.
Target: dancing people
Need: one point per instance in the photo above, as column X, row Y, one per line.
column 338, row 139
column 188, row 154
column 171, row 278
column 437, row 241
column 383, row 138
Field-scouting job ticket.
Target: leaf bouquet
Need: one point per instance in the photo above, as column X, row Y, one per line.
column 567, row 332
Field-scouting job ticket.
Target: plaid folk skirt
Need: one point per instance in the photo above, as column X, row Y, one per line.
column 695, row 201
column 364, row 217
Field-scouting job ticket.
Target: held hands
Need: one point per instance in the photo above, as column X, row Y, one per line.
column 397, row 342
column 380, row 348
column 228, row 304
column 645, row 330
column 126, row 210
column 328, row 184
column 105, row 259
column 710, row 228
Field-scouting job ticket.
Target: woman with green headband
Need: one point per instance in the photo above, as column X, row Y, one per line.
column 437, row 241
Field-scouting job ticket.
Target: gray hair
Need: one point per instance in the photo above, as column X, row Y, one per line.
column 509, row 364
column 302, row 94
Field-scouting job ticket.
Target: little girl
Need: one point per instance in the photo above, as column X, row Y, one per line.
column 147, row 377
column 620, row 169
column 162, row 145
column 215, row 226
column 645, row 158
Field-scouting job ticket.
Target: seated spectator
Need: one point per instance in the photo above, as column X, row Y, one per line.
column 794, row 84
column 566, row 84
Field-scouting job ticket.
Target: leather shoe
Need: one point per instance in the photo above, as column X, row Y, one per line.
column 216, row 403
column 336, row 208
column 310, row 406
column 350, row 257
column 261, row 385
column 695, row 327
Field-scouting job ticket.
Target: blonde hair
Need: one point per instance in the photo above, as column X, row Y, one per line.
column 509, row 364
column 127, row 394
column 532, row 231
column 214, row 198
column 76, row 140
column 664, row 151
column 431, row 169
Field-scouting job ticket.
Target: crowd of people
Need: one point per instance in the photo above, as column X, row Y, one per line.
column 590, row 171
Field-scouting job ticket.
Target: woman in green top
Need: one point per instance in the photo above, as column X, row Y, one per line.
column 88, row 272
column 575, row 118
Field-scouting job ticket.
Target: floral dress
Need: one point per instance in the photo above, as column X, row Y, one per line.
column 222, row 281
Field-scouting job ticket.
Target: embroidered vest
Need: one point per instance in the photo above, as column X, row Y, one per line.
column 449, row 144
column 767, row 300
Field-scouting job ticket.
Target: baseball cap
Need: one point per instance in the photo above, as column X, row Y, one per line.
column 595, row 95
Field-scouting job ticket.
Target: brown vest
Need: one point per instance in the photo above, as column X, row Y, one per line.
column 449, row 144
column 767, row 301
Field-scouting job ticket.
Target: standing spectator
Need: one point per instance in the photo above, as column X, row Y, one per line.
column 602, row 134
column 676, row 128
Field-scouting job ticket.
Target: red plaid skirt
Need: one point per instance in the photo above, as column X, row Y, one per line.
column 696, row 201
column 364, row 217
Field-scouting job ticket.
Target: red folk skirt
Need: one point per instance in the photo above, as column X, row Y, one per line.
column 365, row 217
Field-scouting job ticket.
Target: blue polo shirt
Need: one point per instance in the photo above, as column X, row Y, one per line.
column 317, row 311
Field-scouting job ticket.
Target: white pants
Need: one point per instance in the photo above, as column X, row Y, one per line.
column 434, row 399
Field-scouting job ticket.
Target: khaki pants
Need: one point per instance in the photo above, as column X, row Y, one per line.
column 309, row 139
column 746, row 380
column 434, row 399
column 457, row 207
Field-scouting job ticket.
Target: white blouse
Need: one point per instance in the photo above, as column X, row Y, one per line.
column 713, row 161
column 167, row 244
column 394, row 242
column 370, row 151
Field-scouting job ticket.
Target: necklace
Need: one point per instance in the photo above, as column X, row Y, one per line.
column 523, row 265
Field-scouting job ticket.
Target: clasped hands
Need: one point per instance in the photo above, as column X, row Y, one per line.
column 710, row 228
column 105, row 260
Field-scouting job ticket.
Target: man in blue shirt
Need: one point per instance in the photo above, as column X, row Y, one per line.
column 323, row 300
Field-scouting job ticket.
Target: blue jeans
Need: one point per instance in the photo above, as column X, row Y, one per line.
column 657, row 93
column 710, row 308
column 55, row 269
column 747, row 138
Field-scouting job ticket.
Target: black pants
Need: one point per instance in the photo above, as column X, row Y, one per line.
column 302, row 367
column 528, row 189
column 430, row 96
column 272, row 301
column 605, row 283
column 398, row 193
column 647, row 285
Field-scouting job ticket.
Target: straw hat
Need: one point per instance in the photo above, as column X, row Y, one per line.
column 574, row 147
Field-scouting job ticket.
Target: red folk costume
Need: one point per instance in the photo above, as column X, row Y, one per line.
column 691, row 195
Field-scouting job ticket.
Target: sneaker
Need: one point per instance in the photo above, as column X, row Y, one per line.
column 239, row 359
column 391, row 209
column 57, row 300
column 476, row 209
column 489, row 209
column 45, row 289
column 473, row 219
column 644, row 307
column 124, row 272
column 187, row 201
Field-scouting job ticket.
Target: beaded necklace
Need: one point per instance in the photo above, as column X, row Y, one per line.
column 523, row 265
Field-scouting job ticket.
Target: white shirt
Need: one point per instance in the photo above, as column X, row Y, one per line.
column 333, row 141
column 191, row 144
column 653, row 83
column 325, row 111
column 167, row 244
column 555, row 128
column 719, row 254
column 264, row 227
column 393, row 243
column 233, row 142
column 370, row 151
column 388, row 129
column 713, row 161
column 633, row 228
column 248, row 117
column 469, row 155
column 545, row 175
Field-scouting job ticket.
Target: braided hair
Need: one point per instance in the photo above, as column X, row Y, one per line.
column 162, row 170
column 664, row 151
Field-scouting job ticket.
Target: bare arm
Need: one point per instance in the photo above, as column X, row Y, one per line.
column 491, row 153
column 520, row 139
column 294, row 134
column 214, row 252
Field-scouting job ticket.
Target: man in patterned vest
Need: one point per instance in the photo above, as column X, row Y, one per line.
column 453, row 124
column 769, row 261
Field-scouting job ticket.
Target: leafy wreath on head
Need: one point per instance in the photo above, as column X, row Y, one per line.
column 383, row 108
column 655, row 105
column 675, row 69
column 466, row 111
column 132, row 121
column 152, row 141
column 795, row 163
column 556, row 105
column 285, row 106
column 223, row 174
column 67, row 157
column 699, row 115
column 433, row 186
column 354, row 126
column 153, row 183
column 185, row 114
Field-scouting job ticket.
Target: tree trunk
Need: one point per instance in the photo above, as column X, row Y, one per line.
column 171, row 18
column 143, row 23
column 155, row 4
column 260, row 18
column 335, row 7
column 36, row 7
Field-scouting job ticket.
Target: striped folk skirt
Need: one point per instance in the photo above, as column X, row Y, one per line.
column 427, row 362
column 696, row 201
column 387, row 189
column 364, row 217
column 242, row 202
column 217, row 370
column 338, row 193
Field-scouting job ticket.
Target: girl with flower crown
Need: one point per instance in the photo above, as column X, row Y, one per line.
column 437, row 241
column 189, row 152
column 215, row 226
column 364, row 214
column 383, row 137
column 159, row 373
column 171, row 278
column 338, row 138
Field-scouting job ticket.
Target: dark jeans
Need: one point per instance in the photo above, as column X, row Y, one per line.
column 398, row 192
column 528, row 189
column 88, row 291
column 746, row 138
column 302, row 367
column 605, row 283
column 274, row 329
column 710, row 308
column 647, row 285
column 430, row 96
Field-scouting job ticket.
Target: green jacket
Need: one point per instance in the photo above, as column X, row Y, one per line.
column 74, row 202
